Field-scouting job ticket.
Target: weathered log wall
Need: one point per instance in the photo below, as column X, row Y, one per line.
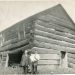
column 17, row 38
column 52, row 33
column 48, row 32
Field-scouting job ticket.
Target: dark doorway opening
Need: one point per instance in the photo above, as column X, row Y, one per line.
column 15, row 58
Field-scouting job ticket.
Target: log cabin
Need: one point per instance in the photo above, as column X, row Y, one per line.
column 50, row 32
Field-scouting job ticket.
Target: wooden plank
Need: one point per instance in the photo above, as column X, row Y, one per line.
column 53, row 41
column 47, row 62
column 49, row 56
column 71, row 65
column 12, row 40
column 52, row 46
column 71, row 51
column 10, row 36
column 15, row 40
column 46, row 29
column 71, row 60
column 26, row 47
column 71, row 55
column 53, row 36
column 12, row 46
column 19, row 49
column 49, row 25
column 49, row 18
column 52, row 25
column 45, row 50
column 53, row 31
column 45, row 24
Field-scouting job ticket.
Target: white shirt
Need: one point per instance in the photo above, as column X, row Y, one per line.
column 35, row 57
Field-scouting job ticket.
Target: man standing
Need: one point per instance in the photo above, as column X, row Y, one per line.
column 24, row 62
column 34, row 60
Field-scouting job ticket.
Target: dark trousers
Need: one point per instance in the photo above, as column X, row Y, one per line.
column 25, row 68
column 34, row 67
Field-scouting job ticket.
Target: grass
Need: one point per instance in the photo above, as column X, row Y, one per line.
column 58, row 71
column 19, row 70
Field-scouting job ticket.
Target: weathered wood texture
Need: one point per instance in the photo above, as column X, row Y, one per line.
column 71, row 65
column 53, row 31
column 53, row 46
column 46, row 62
column 55, row 26
column 13, row 46
column 49, row 56
column 48, row 32
column 56, row 20
column 15, row 40
column 45, row 50
column 53, row 41
column 57, row 37
column 19, row 49
column 71, row 60
column 71, row 55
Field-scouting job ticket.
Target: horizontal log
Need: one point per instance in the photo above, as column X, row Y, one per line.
column 71, row 55
column 47, row 62
column 55, row 26
column 15, row 40
column 49, row 17
column 27, row 36
column 45, row 50
column 52, row 46
column 53, row 36
column 49, row 25
column 62, row 22
column 19, row 49
column 10, row 33
column 70, row 51
column 53, row 31
column 10, row 41
column 12, row 46
column 49, row 46
column 49, row 56
column 53, row 41
column 11, row 36
column 71, row 60
column 71, row 65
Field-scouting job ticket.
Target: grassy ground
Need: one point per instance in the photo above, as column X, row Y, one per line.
column 58, row 71
column 19, row 70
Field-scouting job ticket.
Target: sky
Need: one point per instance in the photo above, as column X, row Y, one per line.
column 14, row 11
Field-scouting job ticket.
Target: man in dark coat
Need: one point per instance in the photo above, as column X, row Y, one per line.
column 24, row 61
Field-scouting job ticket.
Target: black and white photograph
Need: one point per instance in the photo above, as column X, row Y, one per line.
column 37, row 37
